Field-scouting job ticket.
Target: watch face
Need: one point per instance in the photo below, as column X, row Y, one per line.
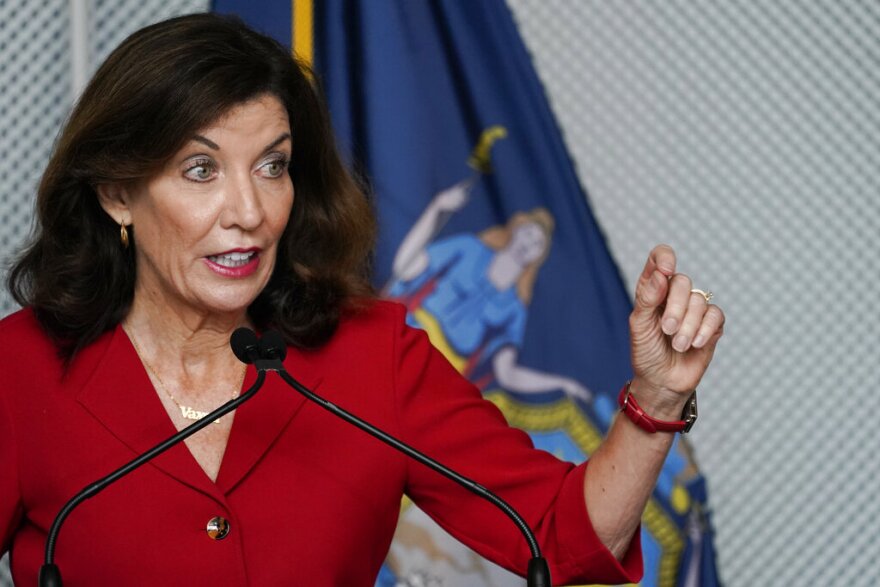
column 690, row 413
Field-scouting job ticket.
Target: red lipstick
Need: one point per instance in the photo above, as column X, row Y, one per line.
column 234, row 263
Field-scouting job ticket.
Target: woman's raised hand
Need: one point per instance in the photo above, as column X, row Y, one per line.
column 673, row 333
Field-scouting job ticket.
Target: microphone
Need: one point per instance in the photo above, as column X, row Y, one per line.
column 273, row 349
column 272, row 345
column 245, row 346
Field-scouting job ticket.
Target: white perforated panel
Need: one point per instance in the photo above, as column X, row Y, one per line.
column 747, row 134
column 114, row 20
column 34, row 97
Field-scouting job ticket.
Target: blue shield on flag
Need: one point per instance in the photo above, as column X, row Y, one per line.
column 487, row 237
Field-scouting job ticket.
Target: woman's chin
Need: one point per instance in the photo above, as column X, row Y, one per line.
column 238, row 305
column 231, row 296
column 224, row 301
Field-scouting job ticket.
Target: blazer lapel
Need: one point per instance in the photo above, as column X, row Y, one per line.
column 119, row 394
column 263, row 418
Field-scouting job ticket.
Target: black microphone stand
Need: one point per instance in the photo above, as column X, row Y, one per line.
column 272, row 351
column 538, row 572
column 50, row 575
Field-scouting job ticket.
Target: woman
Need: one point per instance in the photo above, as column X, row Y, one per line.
column 196, row 189
column 471, row 294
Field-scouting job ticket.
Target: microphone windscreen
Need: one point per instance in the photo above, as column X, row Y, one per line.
column 272, row 345
column 245, row 345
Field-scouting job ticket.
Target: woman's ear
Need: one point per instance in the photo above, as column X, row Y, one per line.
column 114, row 198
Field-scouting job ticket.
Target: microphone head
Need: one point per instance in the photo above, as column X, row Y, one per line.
column 245, row 345
column 272, row 345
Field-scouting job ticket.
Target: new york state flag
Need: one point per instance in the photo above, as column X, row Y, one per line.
column 487, row 238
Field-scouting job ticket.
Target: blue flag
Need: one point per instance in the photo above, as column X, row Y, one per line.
column 487, row 238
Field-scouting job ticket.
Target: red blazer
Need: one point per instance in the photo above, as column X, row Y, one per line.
column 310, row 500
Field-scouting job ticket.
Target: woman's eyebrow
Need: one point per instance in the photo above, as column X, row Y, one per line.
column 207, row 142
column 281, row 138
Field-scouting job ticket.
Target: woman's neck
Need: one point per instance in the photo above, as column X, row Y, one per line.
column 182, row 339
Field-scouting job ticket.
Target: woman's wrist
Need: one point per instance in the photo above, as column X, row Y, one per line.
column 658, row 402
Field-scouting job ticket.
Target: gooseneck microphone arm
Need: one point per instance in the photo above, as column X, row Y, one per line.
column 267, row 355
column 273, row 349
column 244, row 345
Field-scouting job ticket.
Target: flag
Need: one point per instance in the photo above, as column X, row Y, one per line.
column 487, row 237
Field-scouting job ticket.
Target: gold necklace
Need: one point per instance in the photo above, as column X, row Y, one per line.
column 188, row 412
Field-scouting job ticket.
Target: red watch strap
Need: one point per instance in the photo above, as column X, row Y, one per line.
column 637, row 415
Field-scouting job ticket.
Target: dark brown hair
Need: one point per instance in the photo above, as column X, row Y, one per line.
column 154, row 92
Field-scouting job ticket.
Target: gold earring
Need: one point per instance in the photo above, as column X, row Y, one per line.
column 123, row 235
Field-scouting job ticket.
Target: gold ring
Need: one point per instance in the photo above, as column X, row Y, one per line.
column 707, row 295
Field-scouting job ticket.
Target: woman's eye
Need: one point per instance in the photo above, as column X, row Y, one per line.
column 275, row 168
column 201, row 170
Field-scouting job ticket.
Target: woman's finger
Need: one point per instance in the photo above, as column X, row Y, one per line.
column 677, row 301
column 662, row 259
column 711, row 326
column 690, row 324
column 652, row 285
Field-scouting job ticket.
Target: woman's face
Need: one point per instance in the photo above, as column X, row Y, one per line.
column 528, row 242
column 207, row 226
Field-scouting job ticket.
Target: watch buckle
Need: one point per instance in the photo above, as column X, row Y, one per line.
column 689, row 414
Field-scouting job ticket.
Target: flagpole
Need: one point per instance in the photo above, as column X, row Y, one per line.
column 302, row 27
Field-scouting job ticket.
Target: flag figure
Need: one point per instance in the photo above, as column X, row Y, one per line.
column 487, row 238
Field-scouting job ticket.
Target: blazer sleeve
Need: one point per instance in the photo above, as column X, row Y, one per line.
column 10, row 495
column 445, row 416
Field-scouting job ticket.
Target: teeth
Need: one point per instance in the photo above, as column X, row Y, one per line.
column 232, row 259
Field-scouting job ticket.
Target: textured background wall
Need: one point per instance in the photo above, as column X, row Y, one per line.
column 746, row 134
column 35, row 90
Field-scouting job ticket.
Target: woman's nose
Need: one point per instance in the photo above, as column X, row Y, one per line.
column 243, row 207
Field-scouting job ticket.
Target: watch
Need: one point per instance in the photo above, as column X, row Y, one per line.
column 637, row 415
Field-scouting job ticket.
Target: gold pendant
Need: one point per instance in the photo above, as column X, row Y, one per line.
column 193, row 414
